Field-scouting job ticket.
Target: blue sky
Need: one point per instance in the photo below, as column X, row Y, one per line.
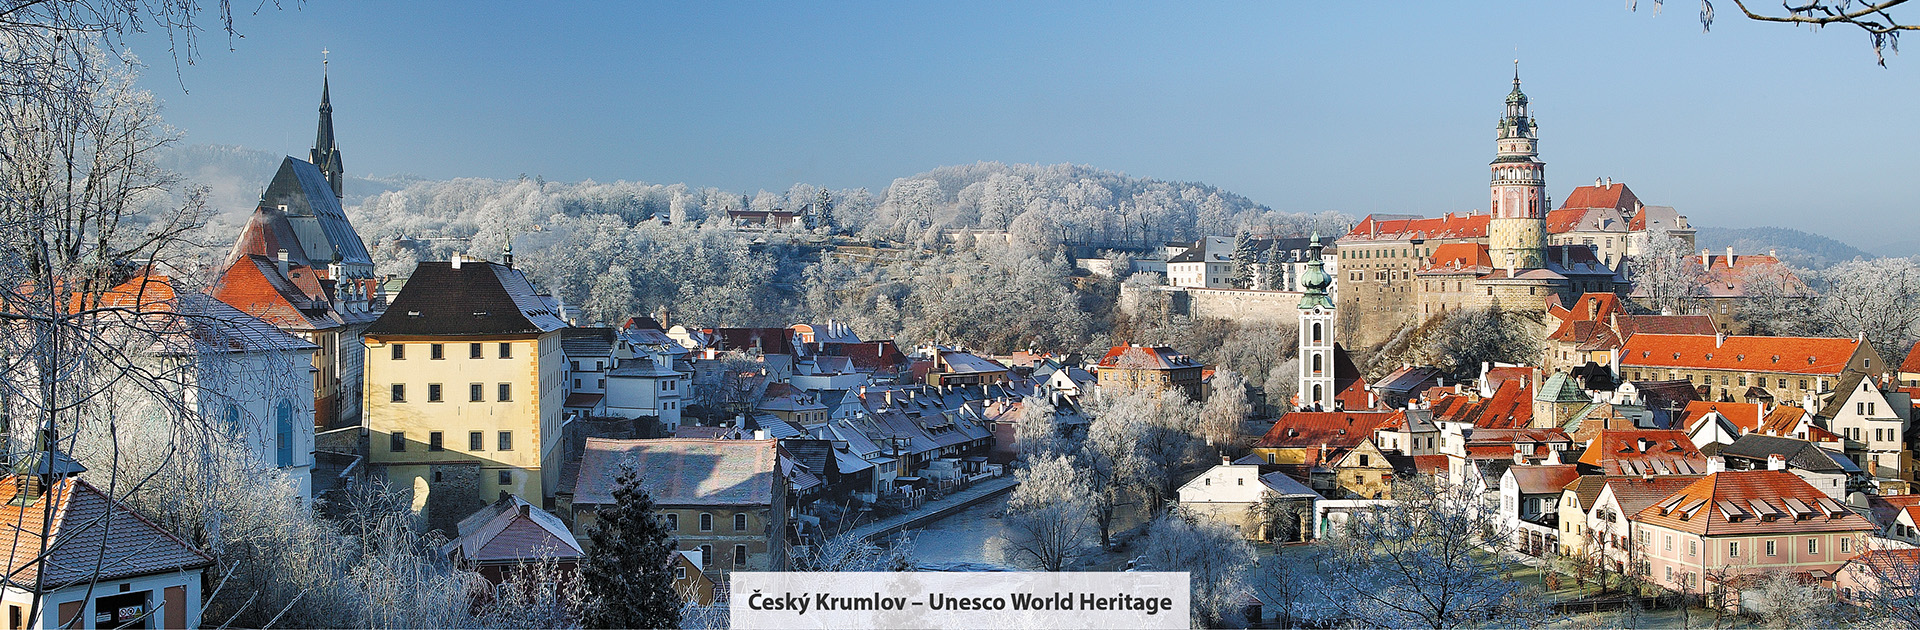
column 1366, row 107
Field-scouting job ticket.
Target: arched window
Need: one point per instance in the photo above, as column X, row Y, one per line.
column 230, row 420
column 283, row 433
column 1316, row 392
column 1316, row 332
column 1316, row 366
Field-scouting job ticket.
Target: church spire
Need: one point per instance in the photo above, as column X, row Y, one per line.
column 326, row 152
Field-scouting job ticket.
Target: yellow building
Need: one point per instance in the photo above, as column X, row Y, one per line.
column 464, row 387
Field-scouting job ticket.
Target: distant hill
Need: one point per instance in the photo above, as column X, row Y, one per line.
column 1797, row 248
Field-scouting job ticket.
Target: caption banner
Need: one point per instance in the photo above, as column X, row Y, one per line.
column 938, row 600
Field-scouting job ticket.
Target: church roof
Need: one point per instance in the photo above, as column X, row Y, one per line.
column 305, row 191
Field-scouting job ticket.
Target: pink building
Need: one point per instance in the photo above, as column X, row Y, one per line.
column 1733, row 524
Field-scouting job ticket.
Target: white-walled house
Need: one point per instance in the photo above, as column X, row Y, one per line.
column 643, row 387
column 1229, row 492
column 1872, row 426
column 1530, row 505
column 109, row 567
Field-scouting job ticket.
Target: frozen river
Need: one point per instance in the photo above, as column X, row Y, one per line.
column 959, row 541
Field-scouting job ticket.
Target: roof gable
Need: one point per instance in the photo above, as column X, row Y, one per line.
column 478, row 298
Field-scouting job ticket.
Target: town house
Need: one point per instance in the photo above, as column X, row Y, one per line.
column 1725, row 368
column 723, row 498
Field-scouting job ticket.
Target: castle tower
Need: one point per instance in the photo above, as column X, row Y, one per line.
column 326, row 154
column 1316, row 333
column 1517, row 232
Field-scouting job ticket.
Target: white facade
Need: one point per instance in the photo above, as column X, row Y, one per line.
column 1874, row 429
column 117, row 599
column 1316, row 358
column 644, row 387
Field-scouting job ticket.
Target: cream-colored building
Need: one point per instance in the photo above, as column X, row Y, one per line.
column 465, row 381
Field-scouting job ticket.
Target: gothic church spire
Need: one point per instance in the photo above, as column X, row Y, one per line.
column 326, row 153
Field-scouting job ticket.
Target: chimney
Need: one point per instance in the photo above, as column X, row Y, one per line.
column 1643, row 445
column 1716, row 464
column 889, row 398
column 1593, row 307
column 455, row 260
column 1609, row 183
column 759, row 434
column 1706, row 257
column 1371, row 403
column 282, row 263
column 1729, row 256
column 1719, row 339
column 1519, row 458
column 1776, row 461
column 1596, row 182
column 1565, row 256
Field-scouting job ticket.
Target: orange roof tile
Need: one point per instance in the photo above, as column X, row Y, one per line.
column 1912, row 364
column 1312, row 429
column 1749, row 502
column 1459, row 258
column 1450, row 226
column 1644, row 452
column 1610, row 195
column 1783, row 421
column 1785, row 355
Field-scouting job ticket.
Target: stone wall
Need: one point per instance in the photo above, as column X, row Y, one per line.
column 1240, row 305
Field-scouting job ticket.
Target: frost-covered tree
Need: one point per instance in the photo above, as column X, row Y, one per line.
column 1880, row 298
column 1246, row 256
column 1784, row 601
column 1420, row 563
column 1667, row 272
column 1225, row 411
column 1215, row 556
column 1037, row 429
column 1273, row 272
column 1108, row 455
column 628, row 576
column 1049, row 523
column 1461, row 340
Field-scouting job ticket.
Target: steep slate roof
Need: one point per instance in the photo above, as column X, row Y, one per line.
column 1544, row 478
column 479, row 298
column 304, row 190
column 1401, row 227
column 91, row 533
column 969, row 363
column 587, row 342
column 1849, row 383
column 1609, row 195
column 1796, row 355
column 1746, row 502
column 1745, row 416
column 1644, row 452
column 1146, row 358
column 1800, row 454
column 681, row 472
column 512, row 530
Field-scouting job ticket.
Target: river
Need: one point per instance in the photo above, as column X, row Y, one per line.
column 959, row 541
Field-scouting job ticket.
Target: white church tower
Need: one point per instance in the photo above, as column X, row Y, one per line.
column 1316, row 334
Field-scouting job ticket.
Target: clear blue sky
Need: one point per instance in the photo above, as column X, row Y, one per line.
column 1357, row 107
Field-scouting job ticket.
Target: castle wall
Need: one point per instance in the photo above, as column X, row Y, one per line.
column 1240, row 305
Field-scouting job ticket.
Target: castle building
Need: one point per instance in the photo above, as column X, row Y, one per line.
column 1399, row 270
column 1316, row 390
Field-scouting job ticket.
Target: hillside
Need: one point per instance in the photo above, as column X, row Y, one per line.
column 1800, row 249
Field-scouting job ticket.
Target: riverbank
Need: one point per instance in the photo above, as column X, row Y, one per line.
column 937, row 509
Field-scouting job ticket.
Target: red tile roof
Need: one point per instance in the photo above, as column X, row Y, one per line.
column 1749, row 502
column 1746, row 416
column 510, row 531
column 1636, row 493
column 1609, row 195
column 1451, row 226
column 1459, row 258
column 290, row 301
column 1644, row 452
column 1585, row 220
column 1731, row 280
column 1544, row 479
column 1782, row 421
column 92, row 536
column 1146, row 358
column 1785, row 355
column 1630, row 325
column 1312, row 429
column 1912, row 364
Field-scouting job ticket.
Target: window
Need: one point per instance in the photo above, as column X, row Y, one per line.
column 476, row 440
column 506, row 441
column 506, row 392
column 1240, row 481
column 1693, row 547
column 1733, row 548
column 739, row 555
column 399, row 352
column 433, row 392
column 283, row 433
column 1846, row 545
column 1813, row 546
column 706, row 522
column 506, row 477
column 706, row 555
column 673, row 522
column 1860, row 408
column 473, row 351
column 506, row 350
column 397, row 442
column 1363, row 460
column 576, row 383
column 1770, row 551
column 476, row 392
column 1669, row 542
column 679, row 573
column 437, row 351
column 576, row 366
column 399, row 392
column 740, row 522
